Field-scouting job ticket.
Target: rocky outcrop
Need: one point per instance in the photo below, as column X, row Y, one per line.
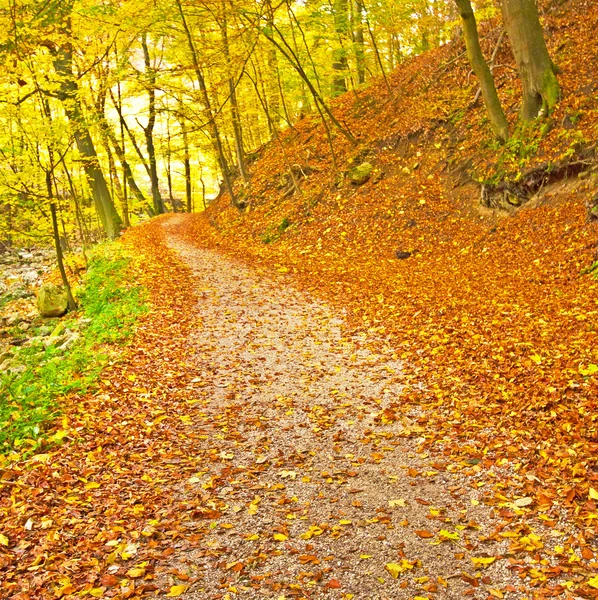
column 52, row 301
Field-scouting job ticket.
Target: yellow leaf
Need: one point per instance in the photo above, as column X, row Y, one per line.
column 135, row 573
column 395, row 569
column 400, row 502
column 593, row 582
column 345, row 522
column 496, row 593
column 483, row 561
column 593, row 494
column 92, row 485
column 3, row 540
column 97, row 592
column 280, row 537
column 521, row 502
column 176, row 590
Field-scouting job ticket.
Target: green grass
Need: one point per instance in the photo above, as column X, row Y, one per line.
column 29, row 400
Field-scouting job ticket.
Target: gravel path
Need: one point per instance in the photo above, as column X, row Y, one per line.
column 320, row 496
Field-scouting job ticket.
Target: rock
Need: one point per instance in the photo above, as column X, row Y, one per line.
column 24, row 326
column 54, row 340
column 12, row 320
column 592, row 206
column 360, row 174
column 70, row 342
column 51, row 301
column 84, row 323
column 402, row 254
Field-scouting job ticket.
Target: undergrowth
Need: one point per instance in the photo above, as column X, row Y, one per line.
column 108, row 307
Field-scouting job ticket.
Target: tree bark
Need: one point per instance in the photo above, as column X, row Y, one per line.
column 358, row 41
column 56, row 235
column 148, row 130
column 498, row 120
column 214, row 131
column 63, row 65
column 339, row 55
column 537, row 72
column 234, row 105
column 187, row 165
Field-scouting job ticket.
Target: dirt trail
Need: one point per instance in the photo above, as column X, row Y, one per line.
column 306, row 493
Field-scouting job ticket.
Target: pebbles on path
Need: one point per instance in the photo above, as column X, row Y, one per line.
column 314, row 496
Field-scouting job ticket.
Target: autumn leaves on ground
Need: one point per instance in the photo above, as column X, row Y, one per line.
column 257, row 442
column 346, row 391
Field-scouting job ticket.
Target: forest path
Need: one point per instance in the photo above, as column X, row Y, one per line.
column 303, row 491
column 240, row 448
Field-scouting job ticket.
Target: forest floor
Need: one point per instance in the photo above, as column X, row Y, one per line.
column 242, row 447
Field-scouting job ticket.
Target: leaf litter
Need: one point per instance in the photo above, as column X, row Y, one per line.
column 237, row 449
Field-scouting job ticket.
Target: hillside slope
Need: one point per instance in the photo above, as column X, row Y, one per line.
column 491, row 312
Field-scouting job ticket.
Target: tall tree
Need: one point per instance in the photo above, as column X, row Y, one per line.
column 541, row 89
column 358, row 41
column 339, row 55
column 207, row 105
column 148, row 130
column 498, row 120
column 68, row 94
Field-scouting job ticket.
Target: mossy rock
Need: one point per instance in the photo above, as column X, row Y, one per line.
column 52, row 301
column 361, row 173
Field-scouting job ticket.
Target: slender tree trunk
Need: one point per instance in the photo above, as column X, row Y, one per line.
column 56, row 235
column 234, row 105
column 358, row 41
column 294, row 61
column 498, row 120
column 68, row 94
column 187, row 165
column 148, row 130
column 339, row 55
column 272, row 75
column 541, row 89
column 126, row 171
column 214, row 131
column 378, row 57
column 120, row 153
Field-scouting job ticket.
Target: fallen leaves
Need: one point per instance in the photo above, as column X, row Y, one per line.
column 395, row 569
column 423, row 533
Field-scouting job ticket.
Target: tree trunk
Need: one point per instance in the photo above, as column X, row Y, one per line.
column 63, row 65
column 234, row 105
column 339, row 56
column 498, row 120
column 187, row 165
column 56, row 235
column 541, row 89
column 358, row 42
column 295, row 62
column 120, row 153
column 148, row 130
column 214, row 131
